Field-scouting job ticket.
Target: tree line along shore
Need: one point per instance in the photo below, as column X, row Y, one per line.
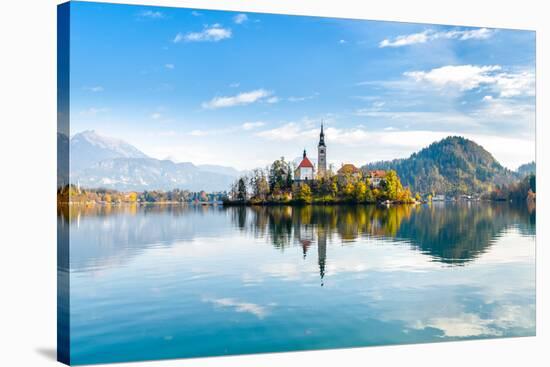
column 276, row 186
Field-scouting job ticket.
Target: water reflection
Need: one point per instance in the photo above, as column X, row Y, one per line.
column 106, row 236
column 152, row 282
column 452, row 233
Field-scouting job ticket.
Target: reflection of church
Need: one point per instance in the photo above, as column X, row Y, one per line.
column 306, row 236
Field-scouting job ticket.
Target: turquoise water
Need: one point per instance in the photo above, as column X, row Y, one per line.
column 184, row 281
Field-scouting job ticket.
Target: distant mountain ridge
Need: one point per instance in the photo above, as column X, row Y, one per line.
column 139, row 174
column 98, row 161
column 89, row 147
column 454, row 165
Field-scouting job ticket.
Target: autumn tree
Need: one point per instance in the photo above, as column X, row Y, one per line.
column 360, row 193
column 304, row 193
column 132, row 197
column 348, row 190
column 392, row 185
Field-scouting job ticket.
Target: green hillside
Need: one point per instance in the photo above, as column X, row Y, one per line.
column 452, row 166
column 527, row 169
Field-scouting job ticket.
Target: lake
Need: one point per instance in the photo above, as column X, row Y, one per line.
column 155, row 282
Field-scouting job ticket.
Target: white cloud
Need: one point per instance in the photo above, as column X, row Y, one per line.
column 468, row 77
column 465, row 77
column 342, row 41
column 156, row 116
column 237, row 100
column 252, row 125
column 240, row 18
column 213, row 33
column 431, row 35
column 515, row 84
column 196, row 13
column 405, row 40
column 170, row 66
column 522, row 112
column 179, row 37
column 272, row 100
column 482, row 33
column 151, row 14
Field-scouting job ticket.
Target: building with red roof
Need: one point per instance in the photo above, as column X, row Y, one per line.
column 305, row 170
column 376, row 177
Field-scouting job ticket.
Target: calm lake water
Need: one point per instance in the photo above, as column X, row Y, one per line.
column 185, row 281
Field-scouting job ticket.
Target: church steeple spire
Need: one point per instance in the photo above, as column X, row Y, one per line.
column 321, row 154
column 322, row 136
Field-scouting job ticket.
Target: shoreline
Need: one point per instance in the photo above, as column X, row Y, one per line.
column 277, row 203
column 317, row 203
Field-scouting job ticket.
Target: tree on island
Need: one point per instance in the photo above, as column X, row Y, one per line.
column 280, row 175
column 241, row 190
column 304, row 194
column 259, row 184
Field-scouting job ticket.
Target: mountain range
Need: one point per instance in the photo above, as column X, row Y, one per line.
column 100, row 161
column 453, row 165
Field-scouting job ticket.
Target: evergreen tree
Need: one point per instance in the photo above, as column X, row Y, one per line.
column 241, row 190
column 280, row 177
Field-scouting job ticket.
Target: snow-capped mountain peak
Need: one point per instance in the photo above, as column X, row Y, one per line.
column 118, row 147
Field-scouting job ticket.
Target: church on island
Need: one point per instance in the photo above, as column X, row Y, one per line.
column 305, row 171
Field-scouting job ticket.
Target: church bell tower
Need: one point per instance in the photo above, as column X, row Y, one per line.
column 322, row 154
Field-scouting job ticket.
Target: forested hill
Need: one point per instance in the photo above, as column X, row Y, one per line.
column 454, row 165
column 527, row 169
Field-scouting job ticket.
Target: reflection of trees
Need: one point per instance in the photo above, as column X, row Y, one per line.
column 73, row 213
column 458, row 233
column 103, row 235
column 450, row 233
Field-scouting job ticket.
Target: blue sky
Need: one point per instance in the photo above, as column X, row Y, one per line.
column 243, row 89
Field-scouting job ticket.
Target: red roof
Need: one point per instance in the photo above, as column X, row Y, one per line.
column 377, row 173
column 305, row 163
